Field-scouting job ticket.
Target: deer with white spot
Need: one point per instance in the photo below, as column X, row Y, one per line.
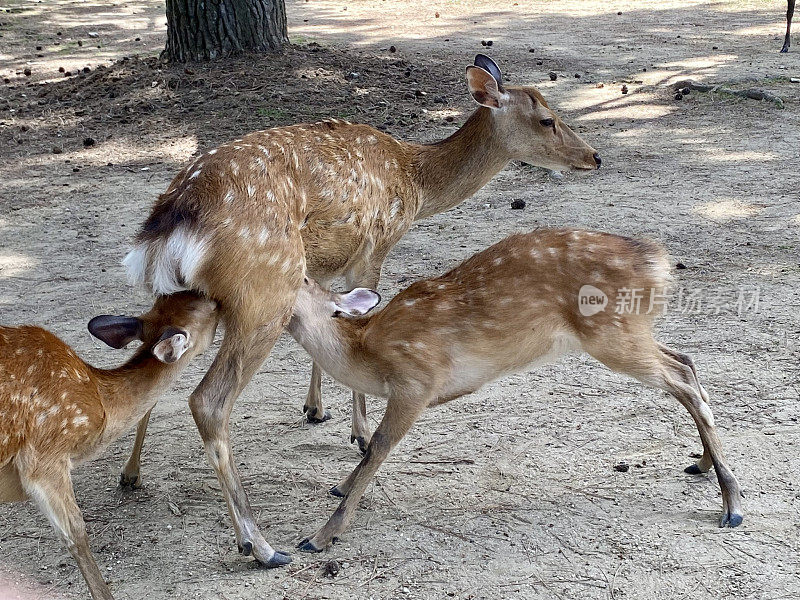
column 245, row 221
column 58, row 411
column 514, row 305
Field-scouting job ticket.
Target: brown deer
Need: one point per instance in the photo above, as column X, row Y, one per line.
column 59, row 411
column 245, row 221
column 521, row 302
column 789, row 14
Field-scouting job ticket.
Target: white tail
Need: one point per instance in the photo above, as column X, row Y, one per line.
column 246, row 220
column 515, row 304
column 58, row 411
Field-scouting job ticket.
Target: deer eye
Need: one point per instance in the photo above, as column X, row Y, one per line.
column 547, row 123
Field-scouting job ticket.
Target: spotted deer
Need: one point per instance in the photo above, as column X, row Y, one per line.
column 59, row 411
column 514, row 305
column 246, row 220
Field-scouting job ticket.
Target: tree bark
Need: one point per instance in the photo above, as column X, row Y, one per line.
column 210, row 29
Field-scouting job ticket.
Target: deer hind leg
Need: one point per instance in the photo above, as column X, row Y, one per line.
column 130, row 477
column 399, row 417
column 53, row 494
column 658, row 367
column 242, row 351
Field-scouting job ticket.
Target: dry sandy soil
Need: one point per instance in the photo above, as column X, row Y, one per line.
column 508, row 493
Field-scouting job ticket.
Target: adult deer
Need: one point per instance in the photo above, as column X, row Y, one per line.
column 789, row 15
column 58, row 411
column 245, row 221
column 514, row 304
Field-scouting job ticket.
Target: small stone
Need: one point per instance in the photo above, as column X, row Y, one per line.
column 392, row 49
column 619, row 12
column 93, row 34
column 489, row 42
column 27, row 72
column 86, row 69
column 685, row 91
column 67, row 73
column 622, row 467
column 57, row 150
column 680, row 265
column 440, row 100
column 61, row 69
column 518, row 204
column 624, row 89
column 600, row 84
column 88, row 142
column 483, row 42
column 794, row 80
column 436, row 15
column 137, row 39
column 420, row 93
column 715, row 47
column 540, row 62
column 577, row 75
column 553, row 75
column 531, row 50
column 678, row 96
column 352, row 75
column 331, row 568
column 80, row 42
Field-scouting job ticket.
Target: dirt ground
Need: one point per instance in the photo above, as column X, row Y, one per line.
column 510, row 492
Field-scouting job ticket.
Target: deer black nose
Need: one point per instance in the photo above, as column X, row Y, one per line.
column 597, row 160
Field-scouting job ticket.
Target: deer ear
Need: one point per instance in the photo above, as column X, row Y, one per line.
column 357, row 302
column 487, row 64
column 116, row 331
column 484, row 88
column 171, row 345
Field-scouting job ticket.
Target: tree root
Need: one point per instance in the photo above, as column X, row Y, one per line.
column 752, row 93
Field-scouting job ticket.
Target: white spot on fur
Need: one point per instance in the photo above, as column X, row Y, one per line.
column 195, row 174
column 250, row 189
column 235, row 166
column 80, row 421
column 212, row 152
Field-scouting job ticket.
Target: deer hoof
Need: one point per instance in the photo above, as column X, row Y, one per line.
column 731, row 520
column 362, row 443
column 278, row 559
column 334, row 491
column 308, row 546
column 130, row 482
column 311, row 415
column 693, row 470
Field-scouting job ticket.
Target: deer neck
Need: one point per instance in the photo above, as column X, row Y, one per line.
column 452, row 170
column 131, row 390
column 335, row 345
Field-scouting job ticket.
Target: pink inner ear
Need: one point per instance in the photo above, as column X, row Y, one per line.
column 358, row 302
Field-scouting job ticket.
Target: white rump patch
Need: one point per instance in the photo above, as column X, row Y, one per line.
column 167, row 267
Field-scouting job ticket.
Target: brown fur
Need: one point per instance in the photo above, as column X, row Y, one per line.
column 59, row 411
column 513, row 305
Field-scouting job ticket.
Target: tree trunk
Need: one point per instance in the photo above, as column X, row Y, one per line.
column 210, row 29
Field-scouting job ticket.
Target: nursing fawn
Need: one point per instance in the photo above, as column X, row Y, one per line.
column 523, row 301
column 246, row 220
column 59, row 411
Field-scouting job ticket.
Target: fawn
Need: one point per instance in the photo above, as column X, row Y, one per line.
column 59, row 411
column 246, row 220
column 513, row 305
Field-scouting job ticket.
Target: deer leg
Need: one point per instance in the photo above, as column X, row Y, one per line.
column 239, row 357
column 55, row 497
column 130, row 477
column 399, row 417
column 367, row 276
column 314, row 410
column 789, row 14
column 656, row 366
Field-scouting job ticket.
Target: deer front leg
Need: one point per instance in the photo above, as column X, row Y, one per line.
column 365, row 275
column 314, row 410
column 130, row 477
column 399, row 417
column 211, row 403
column 53, row 494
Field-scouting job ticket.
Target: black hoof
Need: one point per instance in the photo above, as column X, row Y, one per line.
column 311, row 415
column 246, row 549
column 733, row 520
column 126, row 482
column 307, row 546
column 692, row 470
column 278, row 559
column 334, row 491
column 362, row 443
